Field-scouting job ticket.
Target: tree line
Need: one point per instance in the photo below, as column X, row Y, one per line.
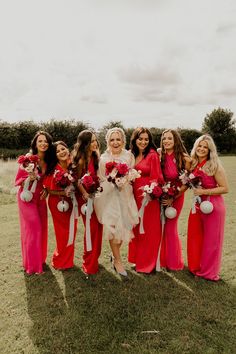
column 15, row 138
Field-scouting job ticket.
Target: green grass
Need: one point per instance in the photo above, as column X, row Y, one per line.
column 62, row 312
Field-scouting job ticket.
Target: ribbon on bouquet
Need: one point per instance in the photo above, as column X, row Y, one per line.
column 145, row 201
column 196, row 199
column 163, row 220
column 27, row 183
column 89, row 211
column 73, row 216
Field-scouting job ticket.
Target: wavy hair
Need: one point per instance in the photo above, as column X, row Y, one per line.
column 135, row 135
column 80, row 153
column 54, row 160
column 49, row 153
column 179, row 149
column 213, row 161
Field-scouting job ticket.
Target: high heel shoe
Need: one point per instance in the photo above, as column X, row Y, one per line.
column 123, row 273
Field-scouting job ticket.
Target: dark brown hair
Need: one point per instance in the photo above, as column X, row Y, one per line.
column 49, row 153
column 80, row 153
column 135, row 135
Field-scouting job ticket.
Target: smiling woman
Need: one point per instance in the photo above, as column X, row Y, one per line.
column 116, row 208
column 33, row 213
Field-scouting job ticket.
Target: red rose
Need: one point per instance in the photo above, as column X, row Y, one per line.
column 110, row 166
column 122, row 168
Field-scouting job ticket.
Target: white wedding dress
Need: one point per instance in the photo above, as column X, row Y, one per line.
column 116, row 209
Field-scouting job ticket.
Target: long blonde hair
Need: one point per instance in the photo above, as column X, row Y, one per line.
column 213, row 161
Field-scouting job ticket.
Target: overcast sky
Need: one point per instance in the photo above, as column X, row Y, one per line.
column 162, row 63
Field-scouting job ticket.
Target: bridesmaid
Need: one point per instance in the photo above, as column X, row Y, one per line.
column 174, row 159
column 116, row 208
column 33, row 214
column 85, row 158
column 143, row 249
column 63, row 256
column 206, row 231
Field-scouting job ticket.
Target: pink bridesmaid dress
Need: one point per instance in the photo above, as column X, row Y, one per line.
column 33, row 226
column 171, row 248
column 204, row 247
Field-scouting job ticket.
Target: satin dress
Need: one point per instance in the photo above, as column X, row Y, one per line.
column 171, row 248
column 33, row 226
column 90, row 258
column 63, row 255
column 206, row 234
column 143, row 249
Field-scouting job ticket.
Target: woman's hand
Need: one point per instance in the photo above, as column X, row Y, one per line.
column 32, row 176
column 198, row 191
column 43, row 193
column 68, row 191
column 85, row 196
column 167, row 201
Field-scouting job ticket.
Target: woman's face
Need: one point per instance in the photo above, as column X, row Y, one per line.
column 94, row 143
column 62, row 153
column 41, row 143
column 202, row 150
column 115, row 143
column 142, row 141
column 168, row 141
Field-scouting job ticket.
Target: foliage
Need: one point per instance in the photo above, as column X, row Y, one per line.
column 221, row 126
column 66, row 130
column 189, row 136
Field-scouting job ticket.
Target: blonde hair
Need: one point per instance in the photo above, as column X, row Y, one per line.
column 115, row 130
column 213, row 161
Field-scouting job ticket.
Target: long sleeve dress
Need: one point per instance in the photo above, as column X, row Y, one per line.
column 206, row 234
column 171, row 248
column 116, row 209
column 33, row 226
column 143, row 249
column 63, row 255
column 90, row 258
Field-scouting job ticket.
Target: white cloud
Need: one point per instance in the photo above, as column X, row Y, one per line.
column 142, row 62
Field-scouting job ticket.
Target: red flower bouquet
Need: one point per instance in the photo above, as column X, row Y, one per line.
column 91, row 183
column 120, row 173
column 64, row 179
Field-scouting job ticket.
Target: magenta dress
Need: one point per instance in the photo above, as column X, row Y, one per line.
column 143, row 248
column 209, row 242
column 33, row 227
column 171, row 248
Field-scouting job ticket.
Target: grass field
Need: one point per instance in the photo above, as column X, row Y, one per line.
column 62, row 312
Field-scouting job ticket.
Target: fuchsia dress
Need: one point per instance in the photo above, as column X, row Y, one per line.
column 171, row 249
column 63, row 256
column 33, row 226
column 90, row 258
column 143, row 249
column 205, row 235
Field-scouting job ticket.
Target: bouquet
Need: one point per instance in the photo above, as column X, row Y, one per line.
column 191, row 179
column 64, row 179
column 91, row 184
column 120, row 173
column 29, row 163
column 154, row 190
